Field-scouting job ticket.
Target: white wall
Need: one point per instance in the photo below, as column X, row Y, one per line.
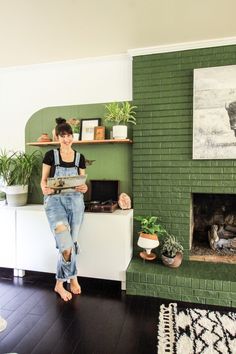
column 26, row 89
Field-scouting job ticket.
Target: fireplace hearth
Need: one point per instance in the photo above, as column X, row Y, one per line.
column 213, row 236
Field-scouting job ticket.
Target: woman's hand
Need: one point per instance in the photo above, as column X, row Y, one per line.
column 82, row 188
column 45, row 174
column 47, row 190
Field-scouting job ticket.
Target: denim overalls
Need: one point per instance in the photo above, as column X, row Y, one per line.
column 66, row 208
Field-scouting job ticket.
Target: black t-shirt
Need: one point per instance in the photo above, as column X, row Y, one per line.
column 49, row 160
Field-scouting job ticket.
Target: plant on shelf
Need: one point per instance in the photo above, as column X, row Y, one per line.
column 16, row 169
column 75, row 125
column 172, row 251
column 120, row 114
column 150, row 229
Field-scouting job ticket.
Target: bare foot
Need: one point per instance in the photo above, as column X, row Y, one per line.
column 64, row 294
column 75, row 287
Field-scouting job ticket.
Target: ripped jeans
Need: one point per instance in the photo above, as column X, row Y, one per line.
column 65, row 209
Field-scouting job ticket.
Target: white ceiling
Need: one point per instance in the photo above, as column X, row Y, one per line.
column 37, row 31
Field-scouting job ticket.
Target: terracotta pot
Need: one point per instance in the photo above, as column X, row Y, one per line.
column 44, row 137
column 172, row 262
column 148, row 242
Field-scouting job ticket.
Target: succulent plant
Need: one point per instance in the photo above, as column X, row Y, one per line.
column 170, row 246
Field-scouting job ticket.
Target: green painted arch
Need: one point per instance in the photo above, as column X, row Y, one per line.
column 112, row 161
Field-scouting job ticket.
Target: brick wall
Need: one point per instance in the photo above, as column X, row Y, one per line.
column 164, row 174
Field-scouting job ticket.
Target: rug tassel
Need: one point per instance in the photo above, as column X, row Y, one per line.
column 193, row 330
column 165, row 333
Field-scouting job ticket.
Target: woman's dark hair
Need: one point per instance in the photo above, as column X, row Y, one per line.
column 62, row 127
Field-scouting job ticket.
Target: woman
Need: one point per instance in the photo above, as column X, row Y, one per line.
column 64, row 210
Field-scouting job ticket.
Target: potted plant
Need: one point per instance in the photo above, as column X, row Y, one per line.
column 75, row 125
column 120, row 114
column 16, row 169
column 172, row 251
column 150, row 229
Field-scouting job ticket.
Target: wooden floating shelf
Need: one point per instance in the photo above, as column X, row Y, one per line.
column 83, row 142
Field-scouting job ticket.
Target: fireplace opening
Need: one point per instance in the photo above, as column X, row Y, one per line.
column 213, row 236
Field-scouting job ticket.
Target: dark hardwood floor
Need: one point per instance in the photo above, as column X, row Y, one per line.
column 102, row 320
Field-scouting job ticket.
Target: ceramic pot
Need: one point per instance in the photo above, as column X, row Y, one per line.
column 75, row 136
column 44, row 137
column 54, row 137
column 148, row 242
column 119, row 131
column 172, row 262
column 16, row 195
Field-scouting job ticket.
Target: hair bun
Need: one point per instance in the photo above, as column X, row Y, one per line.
column 60, row 120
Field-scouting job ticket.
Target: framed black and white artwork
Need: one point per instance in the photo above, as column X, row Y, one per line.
column 214, row 113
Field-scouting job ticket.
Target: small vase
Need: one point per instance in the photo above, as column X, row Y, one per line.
column 172, row 262
column 148, row 242
column 54, row 137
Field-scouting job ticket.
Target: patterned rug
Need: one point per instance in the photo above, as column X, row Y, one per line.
column 195, row 331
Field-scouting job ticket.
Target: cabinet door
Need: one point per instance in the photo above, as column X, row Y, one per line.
column 106, row 245
column 7, row 236
column 35, row 243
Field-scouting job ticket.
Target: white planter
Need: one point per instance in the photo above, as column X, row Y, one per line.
column 75, row 136
column 16, row 195
column 120, row 131
column 148, row 242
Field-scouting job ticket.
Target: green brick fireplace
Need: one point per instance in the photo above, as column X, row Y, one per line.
column 165, row 176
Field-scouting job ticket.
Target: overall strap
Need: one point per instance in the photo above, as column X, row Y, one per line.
column 77, row 159
column 56, row 157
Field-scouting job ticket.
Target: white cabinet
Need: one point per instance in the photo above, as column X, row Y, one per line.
column 105, row 241
column 106, row 244
column 34, row 241
column 7, row 236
